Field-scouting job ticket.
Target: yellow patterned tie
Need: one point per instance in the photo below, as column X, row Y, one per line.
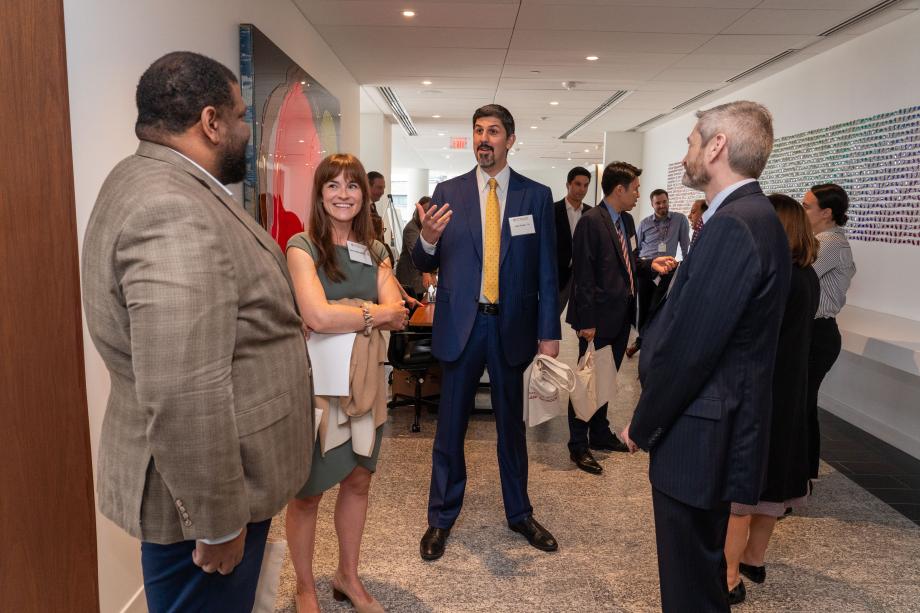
column 492, row 246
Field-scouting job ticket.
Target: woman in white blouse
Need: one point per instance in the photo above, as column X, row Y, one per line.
column 826, row 207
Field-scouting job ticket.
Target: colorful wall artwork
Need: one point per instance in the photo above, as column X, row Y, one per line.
column 876, row 159
column 295, row 123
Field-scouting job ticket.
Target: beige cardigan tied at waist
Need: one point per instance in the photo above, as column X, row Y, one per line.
column 366, row 381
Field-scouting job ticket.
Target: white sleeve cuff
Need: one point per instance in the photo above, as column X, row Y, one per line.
column 222, row 539
column 428, row 247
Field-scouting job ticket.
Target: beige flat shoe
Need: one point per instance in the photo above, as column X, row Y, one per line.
column 368, row 607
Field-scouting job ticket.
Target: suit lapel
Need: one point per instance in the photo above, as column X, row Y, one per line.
column 514, row 203
column 612, row 231
column 470, row 194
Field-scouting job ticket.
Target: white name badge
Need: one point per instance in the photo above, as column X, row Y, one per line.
column 632, row 242
column 662, row 247
column 359, row 253
column 521, row 225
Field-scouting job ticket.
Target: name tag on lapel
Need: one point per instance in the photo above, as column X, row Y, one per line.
column 359, row 253
column 521, row 225
column 632, row 242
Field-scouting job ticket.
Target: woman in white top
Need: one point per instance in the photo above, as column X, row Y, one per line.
column 826, row 207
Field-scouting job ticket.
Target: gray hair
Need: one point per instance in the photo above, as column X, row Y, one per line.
column 748, row 128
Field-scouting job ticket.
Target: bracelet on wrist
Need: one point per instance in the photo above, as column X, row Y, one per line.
column 368, row 318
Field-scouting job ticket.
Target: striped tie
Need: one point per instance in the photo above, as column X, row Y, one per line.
column 492, row 244
column 625, row 252
column 697, row 229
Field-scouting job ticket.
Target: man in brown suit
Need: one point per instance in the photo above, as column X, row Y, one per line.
column 208, row 430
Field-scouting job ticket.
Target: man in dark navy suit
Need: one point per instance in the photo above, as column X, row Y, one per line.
column 603, row 306
column 492, row 237
column 707, row 360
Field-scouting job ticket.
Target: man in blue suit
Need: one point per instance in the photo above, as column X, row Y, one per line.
column 707, row 360
column 491, row 236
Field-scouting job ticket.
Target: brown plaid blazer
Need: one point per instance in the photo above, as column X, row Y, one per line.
column 209, row 420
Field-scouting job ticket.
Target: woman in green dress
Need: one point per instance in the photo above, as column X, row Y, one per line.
column 337, row 259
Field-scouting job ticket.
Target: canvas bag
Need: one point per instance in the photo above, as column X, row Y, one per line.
column 544, row 379
column 595, row 381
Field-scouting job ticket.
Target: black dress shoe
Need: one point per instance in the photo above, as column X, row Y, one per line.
column 757, row 574
column 585, row 461
column 611, row 444
column 536, row 535
column 432, row 545
column 738, row 594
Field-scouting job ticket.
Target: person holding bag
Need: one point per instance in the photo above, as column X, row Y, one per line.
column 602, row 307
column 336, row 260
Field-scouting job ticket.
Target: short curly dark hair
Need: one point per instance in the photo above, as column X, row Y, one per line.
column 174, row 90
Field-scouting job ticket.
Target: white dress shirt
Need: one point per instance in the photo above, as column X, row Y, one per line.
column 574, row 215
column 482, row 181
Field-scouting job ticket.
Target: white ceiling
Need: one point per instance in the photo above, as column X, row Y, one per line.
column 518, row 52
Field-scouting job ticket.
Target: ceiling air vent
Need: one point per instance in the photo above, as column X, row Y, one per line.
column 763, row 64
column 869, row 12
column 690, row 101
column 648, row 121
column 399, row 111
column 617, row 96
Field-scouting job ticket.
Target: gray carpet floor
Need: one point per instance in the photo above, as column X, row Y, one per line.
column 847, row 552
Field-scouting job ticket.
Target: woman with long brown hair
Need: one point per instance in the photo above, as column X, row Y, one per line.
column 786, row 481
column 335, row 266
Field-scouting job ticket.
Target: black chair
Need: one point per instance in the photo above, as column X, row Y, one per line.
column 410, row 352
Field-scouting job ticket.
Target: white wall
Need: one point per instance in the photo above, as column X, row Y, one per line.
column 376, row 144
column 109, row 44
column 872, row 74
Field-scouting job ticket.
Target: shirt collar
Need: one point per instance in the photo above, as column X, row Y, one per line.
column 721, row 196
column 207, row 174
column 613, row 212
column 482, row 179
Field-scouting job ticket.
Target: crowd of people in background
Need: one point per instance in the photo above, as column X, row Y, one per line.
column 214, row 427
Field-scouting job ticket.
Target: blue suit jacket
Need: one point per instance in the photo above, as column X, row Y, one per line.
column 707, row 358
column 528, row 287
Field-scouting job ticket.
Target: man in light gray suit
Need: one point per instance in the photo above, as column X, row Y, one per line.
column 208, row 430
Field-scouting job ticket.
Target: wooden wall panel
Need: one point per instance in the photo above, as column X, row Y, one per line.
column 47, row 519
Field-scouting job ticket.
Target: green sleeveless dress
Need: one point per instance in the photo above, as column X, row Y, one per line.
column 360, row 282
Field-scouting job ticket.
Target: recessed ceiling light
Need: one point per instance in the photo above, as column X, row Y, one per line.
column 554, row 102
column 435, row 116
column 426, row 82
column 568, row 159
column 303, row 82
column 300, row 141
column 440, row 134
column 552, row 166
column 592, row 58
column 408, row 13
column 533, row 127
column 587, row 151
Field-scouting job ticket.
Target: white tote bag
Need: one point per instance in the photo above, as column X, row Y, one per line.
column 605, row 376
column 544, row 379
column 269, row 577
column 595, row 381
column 584, row 396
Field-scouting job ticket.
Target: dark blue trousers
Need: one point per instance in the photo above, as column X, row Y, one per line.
column 598, row 427
column 691, row 555
column 173, row 584
column 458, row 393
